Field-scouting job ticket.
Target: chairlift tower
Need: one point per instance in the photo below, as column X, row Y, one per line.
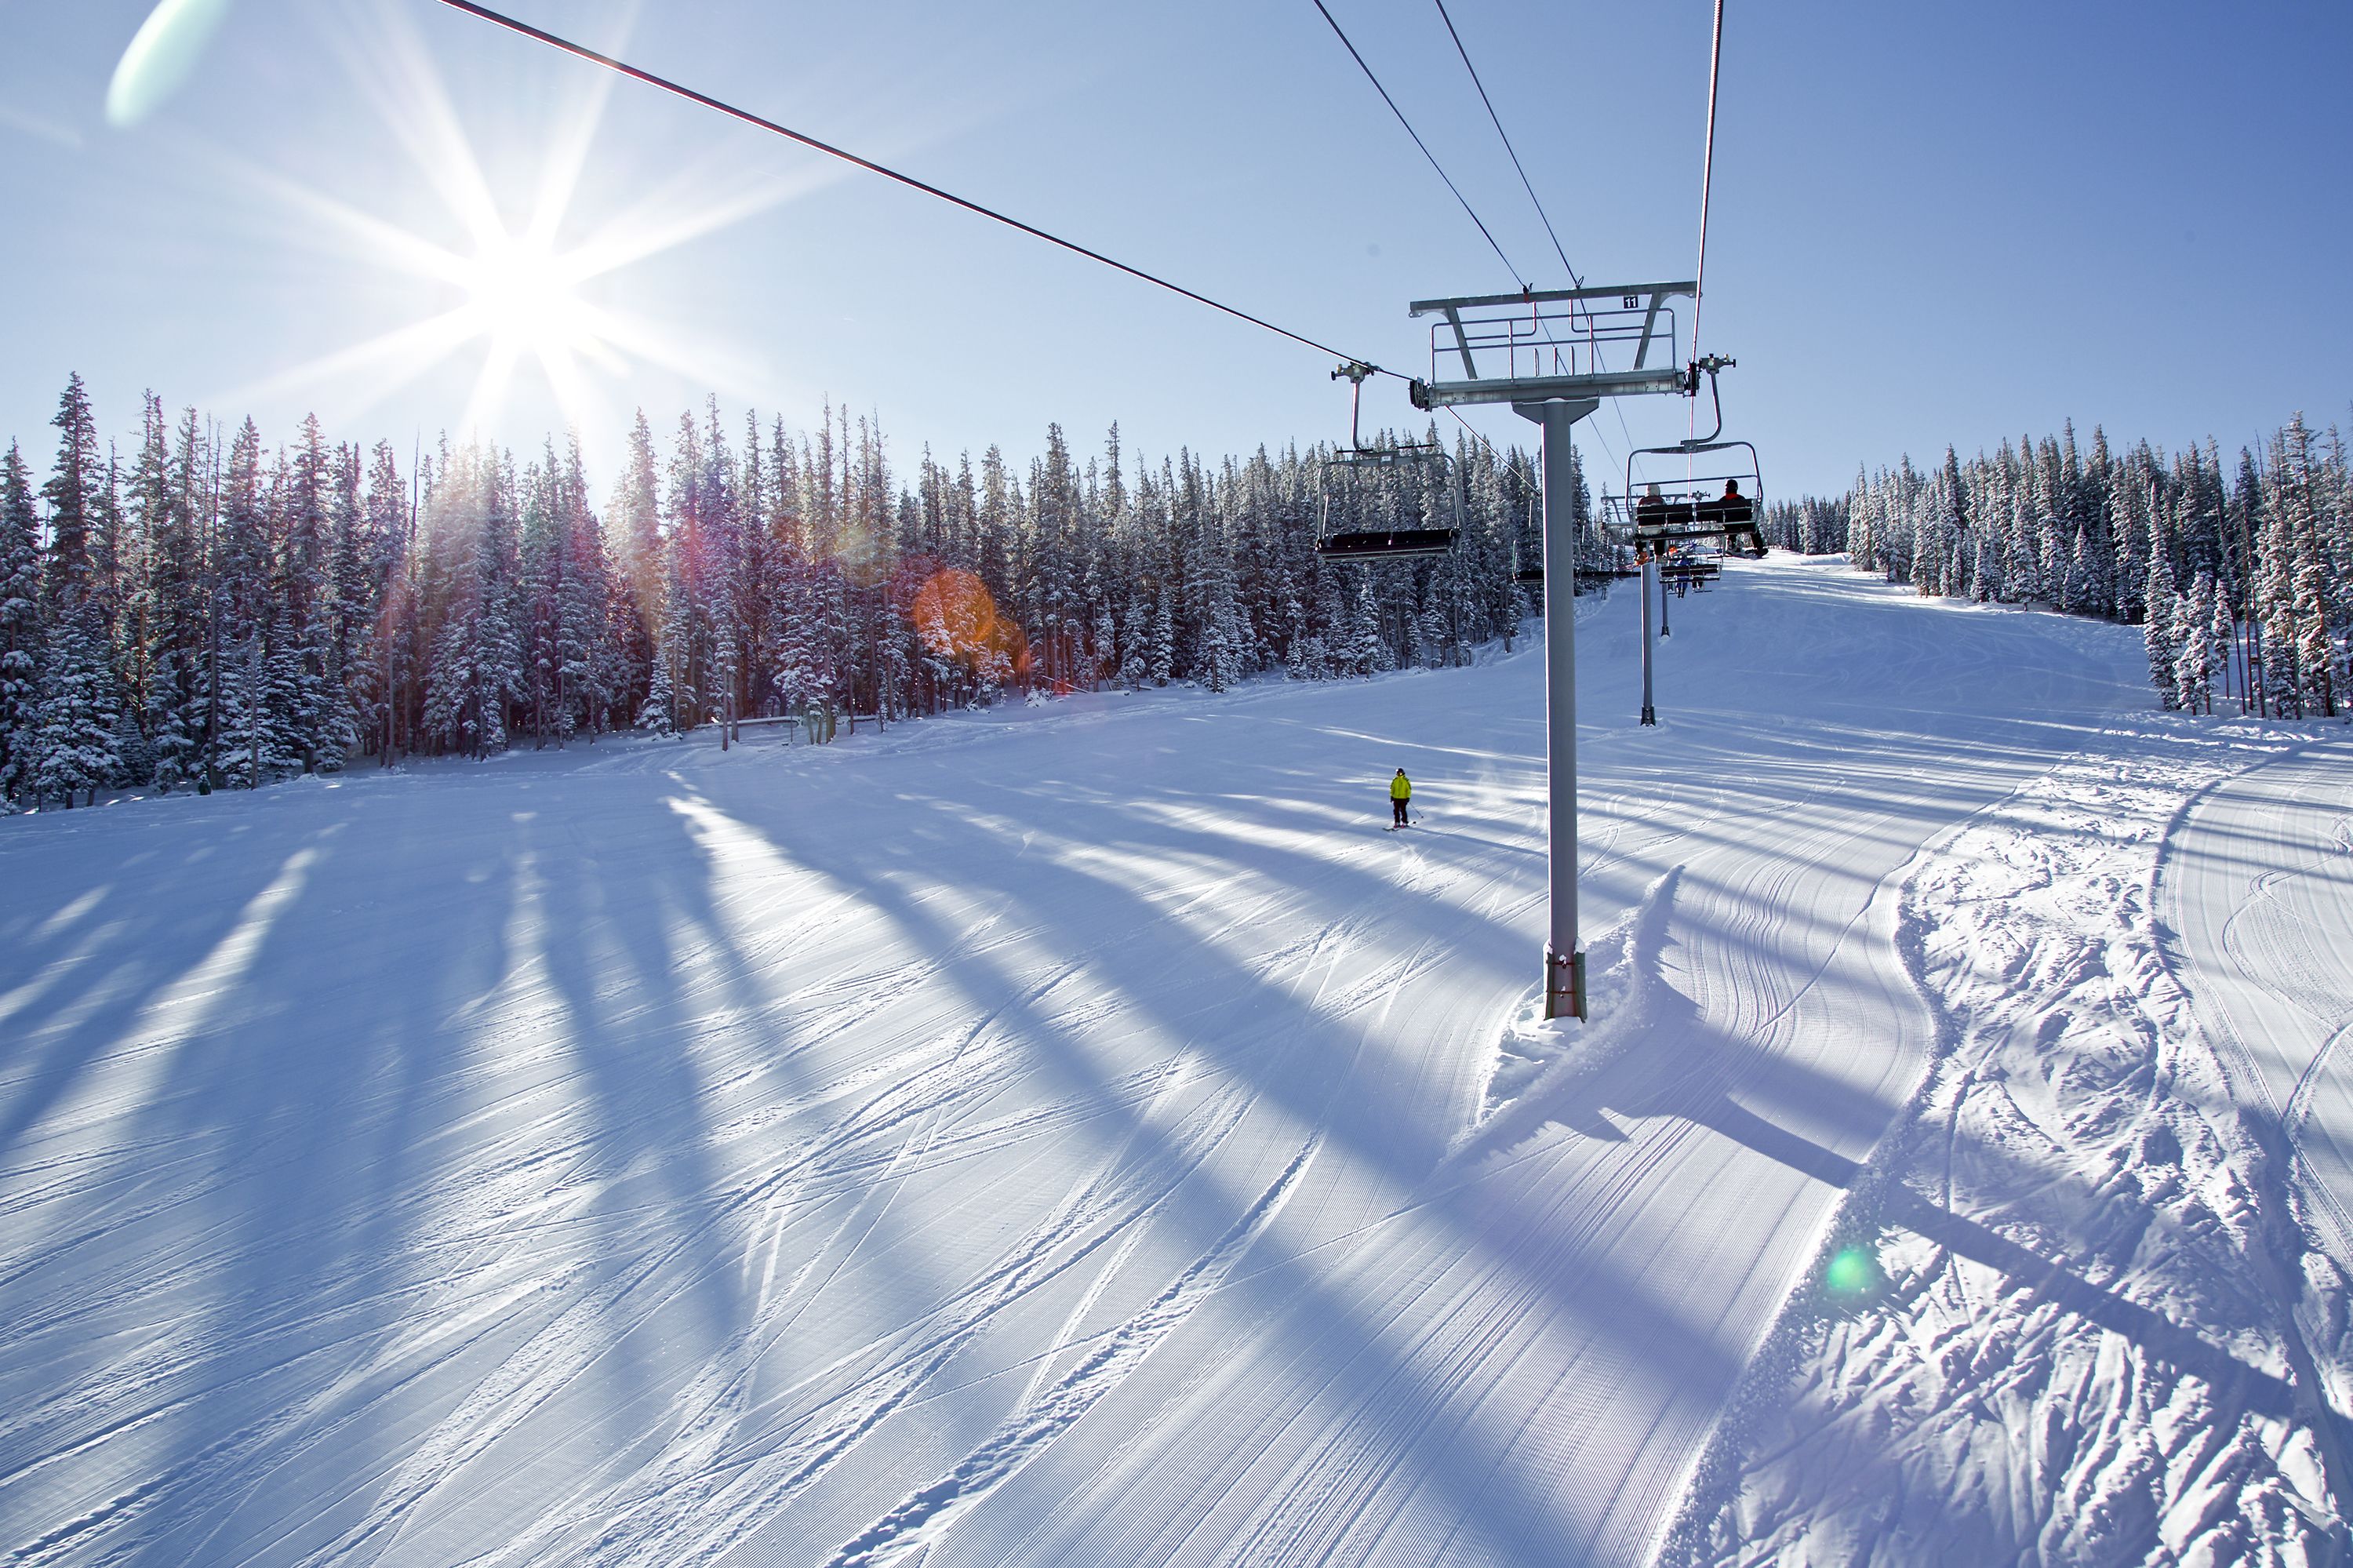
column 1542, row 352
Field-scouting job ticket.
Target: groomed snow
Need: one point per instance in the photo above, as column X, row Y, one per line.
column 1065, row 1135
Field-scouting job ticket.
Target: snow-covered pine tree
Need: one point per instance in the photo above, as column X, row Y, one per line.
column 1216, row 658
column 476, row 666
column 538, row 591
column 75, row 491
column 592, row 666
column 21, row 634
column 1863, row 524
column 2129, row 495
column 134, row 759
column 1136, row 661
column 2333, row 547
column 2315, row 651
column 1363, row 652
column 172, row 749
column 2246, row 521
column 75, row 743
column 2287, row 511
column 145, row 496
column 2193, row 660
column 390, row 673
column 2222, row 634
column 343, row 613
column 633, row 532
column 2157, row 628
column 164, row 626
column 303, row 592
column 1429, row 650
column 241, row 748
column 669, row 702
column 289, row 733
column 241, row 592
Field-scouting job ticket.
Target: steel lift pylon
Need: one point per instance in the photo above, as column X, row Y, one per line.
column 1542, row 353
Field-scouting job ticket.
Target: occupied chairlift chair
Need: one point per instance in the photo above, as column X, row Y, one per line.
column 1337, row 536
column 1719, row 500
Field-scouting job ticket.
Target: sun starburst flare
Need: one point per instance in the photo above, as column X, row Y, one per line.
column 515, row 294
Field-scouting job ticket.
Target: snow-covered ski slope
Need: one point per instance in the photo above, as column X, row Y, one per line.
column 2259, row 895
column 1057, row 1137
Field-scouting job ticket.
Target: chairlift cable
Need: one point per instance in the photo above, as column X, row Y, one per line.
column 580, row 51
column 1706, row 182
column 1706, row 177
column 1495, row 453
column 1575, row 281
column 1567, row 266
column 1517, row 276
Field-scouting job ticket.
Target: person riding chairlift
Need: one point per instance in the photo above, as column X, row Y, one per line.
column 1737, row 516
column 1650, row 511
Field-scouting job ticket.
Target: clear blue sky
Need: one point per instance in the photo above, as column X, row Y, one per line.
column 1932, row 223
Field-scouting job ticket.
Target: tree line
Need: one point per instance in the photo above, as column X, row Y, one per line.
column 2240, row 577
column 194, row 608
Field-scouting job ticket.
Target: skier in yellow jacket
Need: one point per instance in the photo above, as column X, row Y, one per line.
column 1401, row 792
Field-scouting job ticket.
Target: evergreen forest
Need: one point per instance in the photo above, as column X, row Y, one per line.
column 2240, row 577
column 190, row 607
column 193, row 608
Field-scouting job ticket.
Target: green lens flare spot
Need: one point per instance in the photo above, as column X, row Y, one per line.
column 1852, row 1272
column 163, row 56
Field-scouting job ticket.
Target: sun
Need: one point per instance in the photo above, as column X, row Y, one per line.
column 522, row 296
column 509, row 287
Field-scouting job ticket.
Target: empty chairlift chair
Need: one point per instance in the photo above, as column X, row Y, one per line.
column 1386, row 503
column 1359, row 486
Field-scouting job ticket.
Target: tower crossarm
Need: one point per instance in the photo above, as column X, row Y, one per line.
column 1554, row 343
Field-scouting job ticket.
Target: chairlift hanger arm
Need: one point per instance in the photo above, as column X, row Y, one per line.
column 1751, row 471
column 1711, row 364
column 1355, row 372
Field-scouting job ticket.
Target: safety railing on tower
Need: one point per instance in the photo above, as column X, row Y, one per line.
column 1558, row 343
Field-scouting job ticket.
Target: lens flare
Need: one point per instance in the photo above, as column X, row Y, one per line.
column 514, row 290
column 1852, row 1273
column 164, row 54
column 956, row 619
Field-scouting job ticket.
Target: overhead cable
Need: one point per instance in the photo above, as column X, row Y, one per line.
column 580, row 51
column 1517, row 276
column 1575, row 281
column 1706, row 177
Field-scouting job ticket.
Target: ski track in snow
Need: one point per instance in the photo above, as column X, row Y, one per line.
column 2257, row 895
column 2100, row 1337
column 1069, row 1134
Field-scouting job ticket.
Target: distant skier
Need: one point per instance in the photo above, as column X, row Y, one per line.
column 1400, row 794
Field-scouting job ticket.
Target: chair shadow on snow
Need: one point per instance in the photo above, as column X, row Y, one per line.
column 541, row 1038
column 293, row 1216
column 1299, row 1074
column 281, row 1127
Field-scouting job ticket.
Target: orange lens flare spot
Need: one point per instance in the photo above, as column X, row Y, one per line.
column 956, row 619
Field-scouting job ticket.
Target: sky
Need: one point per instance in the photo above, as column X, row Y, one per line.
column 1930, row 224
